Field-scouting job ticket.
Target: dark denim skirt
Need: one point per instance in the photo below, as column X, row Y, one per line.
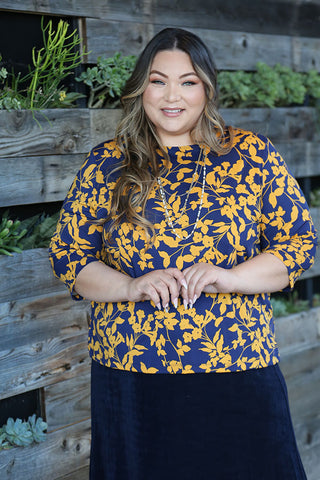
column 206, row 426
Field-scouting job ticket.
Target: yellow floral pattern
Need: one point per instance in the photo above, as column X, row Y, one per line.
column 251, row 204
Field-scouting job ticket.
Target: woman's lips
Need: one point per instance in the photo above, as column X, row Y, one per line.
column 172, row 112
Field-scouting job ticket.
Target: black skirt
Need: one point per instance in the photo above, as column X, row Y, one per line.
column 207, row 426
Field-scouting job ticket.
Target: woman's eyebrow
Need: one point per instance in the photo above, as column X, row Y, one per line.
column 166, row 76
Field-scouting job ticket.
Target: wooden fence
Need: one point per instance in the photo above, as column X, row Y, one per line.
column 43, row 333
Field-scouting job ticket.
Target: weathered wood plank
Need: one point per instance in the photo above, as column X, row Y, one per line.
column 43, row 340
column 279, row 124
column 231, row 50
column 38, row 318
column 288, row 17
column 100, row 124
column 64, row 451
column 35, row 275
column 301, row 157
column 48, row 177
column 37, row 179
column 68, row 402
column 298, row 332
column 82, row 474
column 37, row 365
column 103, row 123
column 66, row 132
column 310, row 459
column 307, row 431
column 69, row 132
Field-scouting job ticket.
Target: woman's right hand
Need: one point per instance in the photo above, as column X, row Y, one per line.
column 158, row 286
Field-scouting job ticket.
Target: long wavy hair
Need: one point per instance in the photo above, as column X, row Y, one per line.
column 137, row 137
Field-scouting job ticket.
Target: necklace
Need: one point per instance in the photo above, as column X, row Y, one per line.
column 165, row 203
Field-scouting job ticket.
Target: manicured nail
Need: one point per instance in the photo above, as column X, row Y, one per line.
column 166, row 308
column 175, row 302
column 184, row 284
column 190, row 304
column 185, row 303
column 195, row 298
column 158, row 306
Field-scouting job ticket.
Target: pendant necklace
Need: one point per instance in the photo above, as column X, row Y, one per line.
column 165, row 203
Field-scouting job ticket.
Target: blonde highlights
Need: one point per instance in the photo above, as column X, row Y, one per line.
column 137, row 138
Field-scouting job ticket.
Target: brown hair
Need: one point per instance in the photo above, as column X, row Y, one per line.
column 137, row 137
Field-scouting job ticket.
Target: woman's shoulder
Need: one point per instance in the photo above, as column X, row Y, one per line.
column 248, row 137
column 104, row 156
column 108, row 149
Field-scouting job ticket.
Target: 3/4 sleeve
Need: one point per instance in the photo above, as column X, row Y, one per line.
column 286, row 229
column 77, row 240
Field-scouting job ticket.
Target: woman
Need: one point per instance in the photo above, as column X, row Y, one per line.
column 177, row 231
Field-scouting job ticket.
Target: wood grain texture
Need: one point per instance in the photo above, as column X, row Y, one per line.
column 81, row 474
column 232, row 50
column 43, row 340
column 62, row 131
column 27, row 274
column 36, row 365
column 45, row 178
column 68, row 402
column 37, row 179
column 64, row 451
column 289, row 17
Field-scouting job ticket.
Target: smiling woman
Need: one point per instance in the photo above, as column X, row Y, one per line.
column 174, row 98
column 177, row 231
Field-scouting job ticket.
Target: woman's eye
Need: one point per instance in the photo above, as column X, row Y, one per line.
column 189, row 82
column 157, row 82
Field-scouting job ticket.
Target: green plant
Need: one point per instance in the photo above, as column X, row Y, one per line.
column 52, row 64
column 312, row 82
column 33, row 232
column 315, row 198
column 11, row 235
column 107, row 79
column 271, row 87
column 39, row 230
column 283, row 306
column 21, row 434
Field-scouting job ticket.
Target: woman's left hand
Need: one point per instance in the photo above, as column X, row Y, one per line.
column 205, row 277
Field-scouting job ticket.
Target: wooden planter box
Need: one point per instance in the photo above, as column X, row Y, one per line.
column 44, row 346
column 299, row 342
column 41, row 162
column 43, row 333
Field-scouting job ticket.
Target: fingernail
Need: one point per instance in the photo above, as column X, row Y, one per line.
column 195, row 298
column 175, row 302
column 185, row 304
column 190, row 304
column 158, row 306
column 166, row 308
column 184, row 284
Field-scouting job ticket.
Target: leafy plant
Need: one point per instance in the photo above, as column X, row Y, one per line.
column 315, row 198
column 21, row 434
column 107, row 79
column 312, row 83
column 11, row 235
column 52, row 64
column 268, row 87
column 33, row 232
column 283, row 306
column 39, row 230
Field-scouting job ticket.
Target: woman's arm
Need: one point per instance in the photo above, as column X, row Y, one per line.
column 101, row 283
column 262, row 274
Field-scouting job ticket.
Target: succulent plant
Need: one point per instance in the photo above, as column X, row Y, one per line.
column 21, row 433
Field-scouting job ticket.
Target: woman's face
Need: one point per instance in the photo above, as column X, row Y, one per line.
column 174, row 98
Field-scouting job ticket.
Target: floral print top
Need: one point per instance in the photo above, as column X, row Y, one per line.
column 251, row 204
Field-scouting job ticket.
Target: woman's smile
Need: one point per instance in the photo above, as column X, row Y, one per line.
column 174, row 98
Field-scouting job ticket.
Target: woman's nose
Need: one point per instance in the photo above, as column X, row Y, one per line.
column 172, row 93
